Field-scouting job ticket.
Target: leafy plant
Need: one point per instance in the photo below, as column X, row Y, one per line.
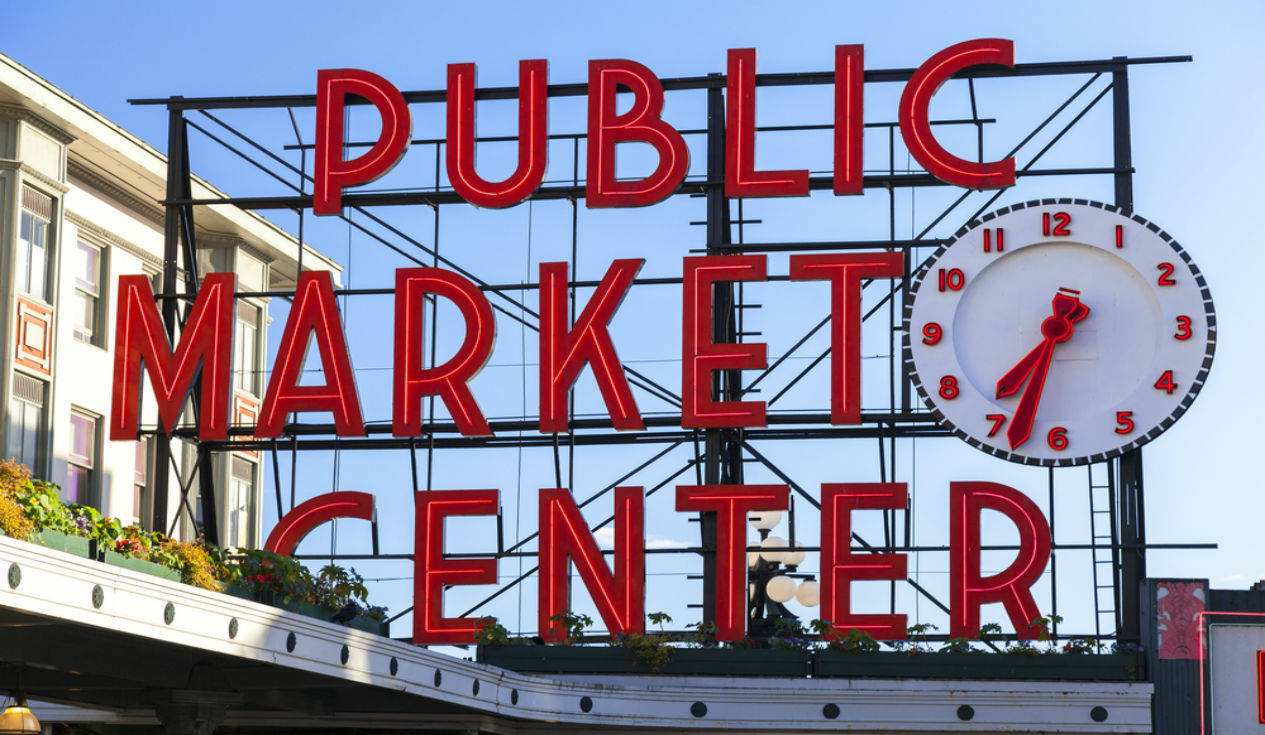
column 489, row 632
column 572, row 625
column 14, row 522
column 852, row 641
column 1081, row 646
column 705, row 637
column 651, row 650
column 659, row 619
column 956, row 645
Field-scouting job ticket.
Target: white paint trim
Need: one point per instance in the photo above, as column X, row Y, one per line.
column 60, row 586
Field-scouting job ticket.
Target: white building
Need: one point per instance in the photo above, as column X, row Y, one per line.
column 80, row 206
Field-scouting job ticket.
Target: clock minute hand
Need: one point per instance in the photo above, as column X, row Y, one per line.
column 1034, row 366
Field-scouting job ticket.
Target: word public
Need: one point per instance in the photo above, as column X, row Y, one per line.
column 641, row 123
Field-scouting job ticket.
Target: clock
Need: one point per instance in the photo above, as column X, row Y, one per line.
column 1059, row 332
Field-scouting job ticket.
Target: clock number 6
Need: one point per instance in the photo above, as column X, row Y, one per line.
column 951, row 280
column 1124, row 422
column 948, row 387
column 1165, row 383
column 1057, row 438
column 931, row 333
column 1183, row 328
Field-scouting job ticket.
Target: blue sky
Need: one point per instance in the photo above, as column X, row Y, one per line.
column 1197, row 146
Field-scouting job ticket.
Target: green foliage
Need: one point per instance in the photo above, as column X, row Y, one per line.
column 572, row 625
column 956, row 645
column 659, row 618
column 489, row 632
column 1081, row 646
column 651, row 650
column 852, row 641
column 705, row 636
column 14, row 523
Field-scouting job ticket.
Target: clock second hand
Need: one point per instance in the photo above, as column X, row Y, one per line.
column 1034, row 366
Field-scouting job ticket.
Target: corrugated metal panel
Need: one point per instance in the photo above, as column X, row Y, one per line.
column 28, row 389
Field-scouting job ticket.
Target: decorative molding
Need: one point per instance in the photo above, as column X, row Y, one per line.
column 33, row 348
column 148, row 209
column 13, row 112
column 95, row 230
column 30, row 171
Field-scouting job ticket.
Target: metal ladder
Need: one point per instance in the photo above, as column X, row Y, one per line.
column 1102, row 529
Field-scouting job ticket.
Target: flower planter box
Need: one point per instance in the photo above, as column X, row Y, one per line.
column 114, row 558
column 616, row 660
column 267, row 597
column 979, row 665
column 77, row 545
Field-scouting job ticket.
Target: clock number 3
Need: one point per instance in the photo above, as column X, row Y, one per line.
column 1060, row 220
column 1183, row 328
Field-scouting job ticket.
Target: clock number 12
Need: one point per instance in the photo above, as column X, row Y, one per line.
column 1060, row 220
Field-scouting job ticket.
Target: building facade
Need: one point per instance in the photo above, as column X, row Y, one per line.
column 79, row 207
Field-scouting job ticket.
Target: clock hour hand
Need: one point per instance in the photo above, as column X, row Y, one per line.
column 1034, row 366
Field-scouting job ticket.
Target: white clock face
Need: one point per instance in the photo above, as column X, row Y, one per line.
column 1059, row 332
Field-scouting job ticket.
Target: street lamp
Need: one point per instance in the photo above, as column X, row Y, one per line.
column 18, row 719
column 771, row 574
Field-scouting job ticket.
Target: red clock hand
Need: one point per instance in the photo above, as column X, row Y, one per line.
column 1034, row 366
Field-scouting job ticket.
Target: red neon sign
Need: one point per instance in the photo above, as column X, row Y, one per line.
column 563, row 351
column 915, row 123
column 1012, row 585
column 564, row 535
column 313, row 317
column 840, row 566
column 700, row 357
column 332, row 172
column 533, row 138
column 640, row 124
column 306, row 516
column 731, row 504
column 206, row 342
column 450, row 381
column 434, row 571
column 643, row 123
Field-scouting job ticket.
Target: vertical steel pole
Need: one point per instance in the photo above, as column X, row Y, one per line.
column 1129, row 497
column 722, row 461
column 171, row 255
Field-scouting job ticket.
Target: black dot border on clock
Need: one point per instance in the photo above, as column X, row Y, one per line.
column 1194, row 387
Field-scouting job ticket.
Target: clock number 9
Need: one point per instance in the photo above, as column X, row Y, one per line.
column 931, row 333
column 1057, row 438
column 1124, row 422
column 948, row 387
column 951, row 280
column 1183, row 328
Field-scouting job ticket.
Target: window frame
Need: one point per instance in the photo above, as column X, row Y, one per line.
column 96, row 334
column 92, row 464
column 23, row 257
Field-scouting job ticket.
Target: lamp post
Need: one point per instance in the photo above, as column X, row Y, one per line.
column 771, row 574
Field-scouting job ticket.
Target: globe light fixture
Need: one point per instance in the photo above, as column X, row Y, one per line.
column 771, row 546
column 793, row 558
column 18, row 719
column 781, row 588
column 808, row 593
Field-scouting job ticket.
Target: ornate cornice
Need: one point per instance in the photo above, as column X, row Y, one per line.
column 95, row 230
column 13, row 112
column 147, row 209
column 31, row 172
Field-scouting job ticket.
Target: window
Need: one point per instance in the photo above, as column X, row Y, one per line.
column 81, row 467
column 25, row 427
column 88, row 269
column 140, row 482
column 241, row 496
column 34, row 244
column 247, row 355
